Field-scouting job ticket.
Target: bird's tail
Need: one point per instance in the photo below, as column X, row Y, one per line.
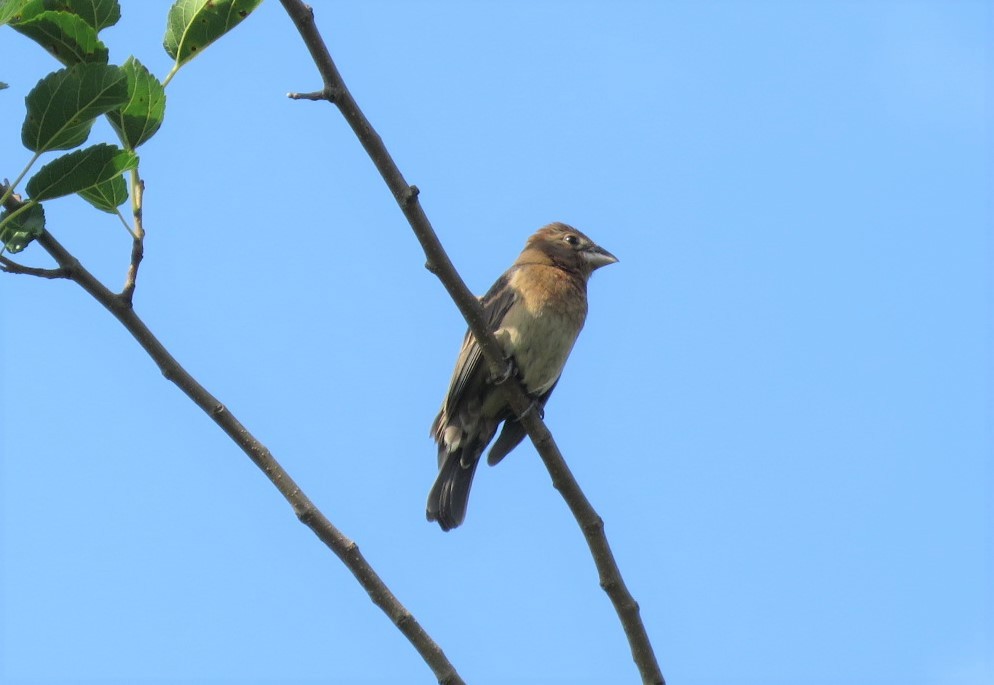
column 450, row 494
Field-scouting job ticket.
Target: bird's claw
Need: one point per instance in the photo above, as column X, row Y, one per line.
column 509, row 371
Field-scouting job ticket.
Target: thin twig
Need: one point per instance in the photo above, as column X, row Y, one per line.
column 9, row 266
column 438, row 263
column 317, row 95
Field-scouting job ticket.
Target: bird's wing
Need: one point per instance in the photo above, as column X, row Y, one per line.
column 470, row 364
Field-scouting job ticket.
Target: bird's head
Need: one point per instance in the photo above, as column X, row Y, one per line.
column 567, row 248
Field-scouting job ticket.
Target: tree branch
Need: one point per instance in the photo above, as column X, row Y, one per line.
column 9, row 266
column 336, row 92
column 303, row 507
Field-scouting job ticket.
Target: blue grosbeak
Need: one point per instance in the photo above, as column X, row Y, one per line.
column 536, row 310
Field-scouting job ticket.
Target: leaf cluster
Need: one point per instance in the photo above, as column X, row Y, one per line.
column 63, row 106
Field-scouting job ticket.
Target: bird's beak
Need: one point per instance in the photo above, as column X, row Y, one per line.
column 597, row 257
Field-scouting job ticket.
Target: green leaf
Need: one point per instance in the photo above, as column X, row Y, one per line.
column 80, row 171
column 142, row 116
column 62, row 107
column 67, row 36
column 3, row 86
column 17, row 233
column 97, row 13
column 11, row 10
column 192, row 25
column 107, row 196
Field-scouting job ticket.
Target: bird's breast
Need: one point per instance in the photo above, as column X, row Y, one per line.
column 540, row 328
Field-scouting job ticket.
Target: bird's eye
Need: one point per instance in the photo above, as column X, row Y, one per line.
column 571, row 240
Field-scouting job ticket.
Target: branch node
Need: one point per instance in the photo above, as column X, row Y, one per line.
column 595, row 527
column 411, row 195
column 351, row 550
column 306, row 514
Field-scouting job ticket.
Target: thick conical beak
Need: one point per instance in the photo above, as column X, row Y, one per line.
column 597, row 257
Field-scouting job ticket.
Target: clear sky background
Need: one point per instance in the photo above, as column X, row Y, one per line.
column 781, row 403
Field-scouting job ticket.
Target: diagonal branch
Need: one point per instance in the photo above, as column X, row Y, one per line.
column 303, row 507
column 336, row 92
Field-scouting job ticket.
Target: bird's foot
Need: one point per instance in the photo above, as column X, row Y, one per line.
column 509, row 371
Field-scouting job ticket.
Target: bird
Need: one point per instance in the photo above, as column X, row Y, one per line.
column 535, row 310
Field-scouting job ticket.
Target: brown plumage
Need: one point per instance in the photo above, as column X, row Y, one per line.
column 536, row 310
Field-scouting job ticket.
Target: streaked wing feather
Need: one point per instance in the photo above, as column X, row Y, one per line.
column 496, row 302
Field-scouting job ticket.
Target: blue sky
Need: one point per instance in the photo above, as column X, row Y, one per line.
column 781, row 403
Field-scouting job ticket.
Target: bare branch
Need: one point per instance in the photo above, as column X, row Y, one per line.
column 303, row 507
column 439, row 264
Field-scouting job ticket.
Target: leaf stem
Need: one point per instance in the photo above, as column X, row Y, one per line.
column 20, row 177
column 124, row 222
column 169, row 76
